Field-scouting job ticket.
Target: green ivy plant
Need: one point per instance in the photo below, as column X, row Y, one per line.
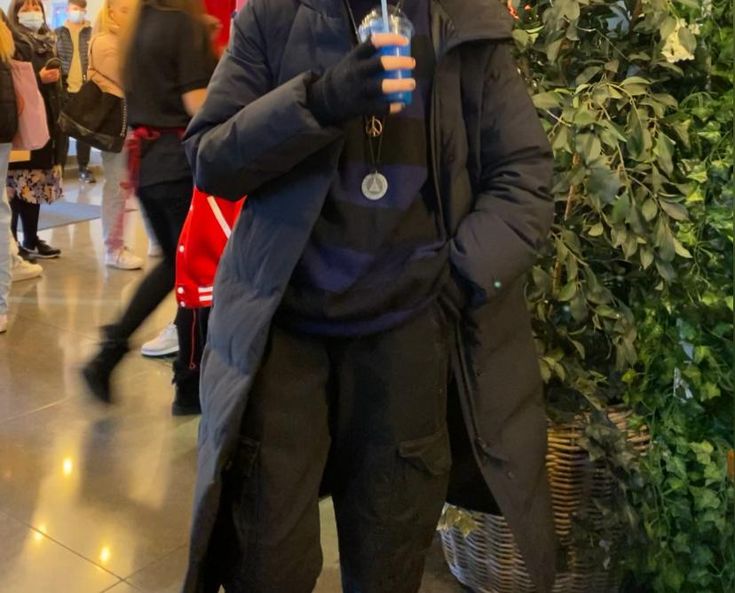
column 632, row 302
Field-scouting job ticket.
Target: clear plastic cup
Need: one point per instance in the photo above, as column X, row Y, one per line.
column 400, row 24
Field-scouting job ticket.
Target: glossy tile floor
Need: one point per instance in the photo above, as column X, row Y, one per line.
column 98, row 499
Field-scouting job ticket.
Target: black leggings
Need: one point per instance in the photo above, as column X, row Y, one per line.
column 166, row 206
column 28, row 214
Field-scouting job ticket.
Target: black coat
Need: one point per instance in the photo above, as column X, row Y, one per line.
column 39, row 48
column 8, row 104
column 256, row 136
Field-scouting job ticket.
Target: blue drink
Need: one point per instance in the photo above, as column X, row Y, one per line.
column 398, row 23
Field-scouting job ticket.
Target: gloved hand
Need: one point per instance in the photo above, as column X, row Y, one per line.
column 356, row 85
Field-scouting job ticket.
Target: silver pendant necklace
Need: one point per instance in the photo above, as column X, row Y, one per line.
column 374, row 185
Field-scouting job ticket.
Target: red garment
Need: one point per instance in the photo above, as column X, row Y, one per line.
column 222, row 9
column 203, row 238
column 134, row 144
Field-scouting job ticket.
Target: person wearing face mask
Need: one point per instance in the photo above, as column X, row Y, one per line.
column 72, row 43
column 38, row 179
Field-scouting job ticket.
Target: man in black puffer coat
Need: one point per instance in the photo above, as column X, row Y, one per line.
column 369, row 336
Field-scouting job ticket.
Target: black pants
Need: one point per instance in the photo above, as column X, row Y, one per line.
column 191, row 327
column 28, row 214
column 166, row 206
column 83, row 150
column 367, row 418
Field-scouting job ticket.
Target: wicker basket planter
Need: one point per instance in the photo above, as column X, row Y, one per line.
column 488, row 560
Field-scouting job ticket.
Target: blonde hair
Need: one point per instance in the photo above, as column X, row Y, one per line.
column 104, row 23
column 7, row 45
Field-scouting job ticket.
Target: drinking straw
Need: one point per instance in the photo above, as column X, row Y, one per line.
column 386, row 21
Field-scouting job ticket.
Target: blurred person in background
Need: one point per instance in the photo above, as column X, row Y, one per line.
column 168, row 62
column 39, row 179
column 104, row 71
column 12, row 267
column 166, row 343
column 8, row 128
column 72, row 44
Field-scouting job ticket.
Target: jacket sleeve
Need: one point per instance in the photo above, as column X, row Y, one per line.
column 250, row 132
column 499, row 240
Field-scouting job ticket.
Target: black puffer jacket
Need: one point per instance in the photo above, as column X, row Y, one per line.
column 255, row 135
column 39, row 48
column 65, row 48
column 8, row 106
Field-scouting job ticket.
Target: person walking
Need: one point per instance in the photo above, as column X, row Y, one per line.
column 104, row 71
column 72, row 42
column 167, row 65
column 369, row 336
column 39, row 179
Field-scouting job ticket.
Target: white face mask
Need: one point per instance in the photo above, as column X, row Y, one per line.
column 76, row 16
column 31, row 20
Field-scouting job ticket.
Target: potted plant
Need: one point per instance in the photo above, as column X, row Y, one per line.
column 613, row 82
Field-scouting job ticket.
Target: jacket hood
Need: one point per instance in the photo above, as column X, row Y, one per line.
column 463, row 20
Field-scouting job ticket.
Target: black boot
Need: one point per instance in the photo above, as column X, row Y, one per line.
column 186, row 402
column 97, row 372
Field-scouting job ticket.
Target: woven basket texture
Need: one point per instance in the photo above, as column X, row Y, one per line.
column 488, row 560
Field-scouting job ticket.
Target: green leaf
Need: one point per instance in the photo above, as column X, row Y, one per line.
column 666, row 271
column 522, row 38
column 687, row 39
column 596, row 230
column 587, row 74
column 547, row 100
column 649, row 210
column 584, row 117
column 605, row 183
column 681, row 250
column 607, row 312
column 674, row 210
column 552, row 50
column 646, row 256
column 561, row 140
column 664, row 152
column 589, row 146
column 568, row 291
column 620, row 209
column 682, row 131
column 665, row 241
column 636, row 85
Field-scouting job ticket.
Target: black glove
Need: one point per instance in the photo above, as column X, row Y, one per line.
column 351, row 88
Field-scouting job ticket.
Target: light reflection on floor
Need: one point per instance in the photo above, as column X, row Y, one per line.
column 95, row 499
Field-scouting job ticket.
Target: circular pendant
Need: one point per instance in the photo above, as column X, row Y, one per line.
column 374, row 186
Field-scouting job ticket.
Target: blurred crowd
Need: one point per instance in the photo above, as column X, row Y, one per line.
column 141, row 66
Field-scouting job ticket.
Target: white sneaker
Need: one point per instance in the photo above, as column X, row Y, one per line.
column 164, row 344
column 25, row 270
column 3, row 323
column 123, row 259
column 154, row 250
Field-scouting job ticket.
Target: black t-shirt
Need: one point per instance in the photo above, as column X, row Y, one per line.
column 170, row 56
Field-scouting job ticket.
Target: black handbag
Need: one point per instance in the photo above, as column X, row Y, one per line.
column 96, row 118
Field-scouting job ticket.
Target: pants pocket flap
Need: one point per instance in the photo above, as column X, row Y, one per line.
column 430, row 454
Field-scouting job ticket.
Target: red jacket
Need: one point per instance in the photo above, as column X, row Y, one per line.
column 203, row 238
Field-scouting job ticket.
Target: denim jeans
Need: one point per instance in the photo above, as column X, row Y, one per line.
column 5, row 236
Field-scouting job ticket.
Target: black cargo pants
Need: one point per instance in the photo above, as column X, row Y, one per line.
column 365, row 416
